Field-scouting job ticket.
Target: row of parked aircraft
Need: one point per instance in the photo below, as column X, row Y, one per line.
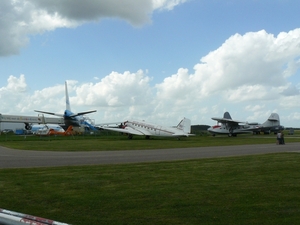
column 73, row 121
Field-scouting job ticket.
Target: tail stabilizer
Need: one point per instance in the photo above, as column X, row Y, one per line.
column 273, row 120
column 185, row 125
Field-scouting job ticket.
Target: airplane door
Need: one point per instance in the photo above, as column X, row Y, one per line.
column 157, row 130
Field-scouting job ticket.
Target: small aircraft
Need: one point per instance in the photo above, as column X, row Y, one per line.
column 227, row 125
column 70, row 118
column 46, row 131
column 137, row 127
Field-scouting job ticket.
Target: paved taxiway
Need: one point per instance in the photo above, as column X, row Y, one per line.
column 11, row 158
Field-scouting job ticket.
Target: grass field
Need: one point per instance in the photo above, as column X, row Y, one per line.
column 120, row 142
column 262, row 189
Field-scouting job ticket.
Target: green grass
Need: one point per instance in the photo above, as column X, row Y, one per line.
column 262, row 189
column 120, row 142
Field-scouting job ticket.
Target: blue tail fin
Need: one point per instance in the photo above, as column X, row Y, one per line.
column 68, row 106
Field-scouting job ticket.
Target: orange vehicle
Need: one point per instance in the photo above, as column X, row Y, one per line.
column 50, row 131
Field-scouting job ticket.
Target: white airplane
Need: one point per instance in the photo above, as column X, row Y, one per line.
column 227, row 125
column 70, row 118
column 136, row 127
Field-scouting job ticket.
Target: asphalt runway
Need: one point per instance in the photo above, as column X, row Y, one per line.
column 11, row 158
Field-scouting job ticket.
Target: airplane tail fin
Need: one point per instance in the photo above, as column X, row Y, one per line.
column 68, row 106
column 273, row 120
column 185, row 125
column 227, row 116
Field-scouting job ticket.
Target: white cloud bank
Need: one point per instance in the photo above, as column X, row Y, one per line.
column 248, row 72
column 21, row 18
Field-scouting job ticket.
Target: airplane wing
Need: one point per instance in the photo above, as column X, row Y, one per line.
column 126, row 130
column 82, row 113
column 111, row 124
column 224, row 120
column 50, row 113
column 182, row 135
column 29, row 119
column 62, row 115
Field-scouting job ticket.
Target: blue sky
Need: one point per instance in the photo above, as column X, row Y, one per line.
column 158, row 60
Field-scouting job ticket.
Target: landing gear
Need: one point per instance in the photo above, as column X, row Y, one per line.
column 130, row 136
column 28, row 126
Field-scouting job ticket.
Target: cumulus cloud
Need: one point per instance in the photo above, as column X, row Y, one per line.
column 248, row 72
column 166, row 4
column 116, row 90
column 13, row 94
column 246, row 67
column 21, row 18
column 290, row 90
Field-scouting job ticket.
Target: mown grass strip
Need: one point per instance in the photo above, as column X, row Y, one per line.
column 120, row 142
column 262, row 189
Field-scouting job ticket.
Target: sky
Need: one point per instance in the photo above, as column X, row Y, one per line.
column 155, row 60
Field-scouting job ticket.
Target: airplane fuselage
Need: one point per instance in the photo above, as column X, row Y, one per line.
column 136, row 127
column 73, row 121
column 152, row 129
column 230, row 131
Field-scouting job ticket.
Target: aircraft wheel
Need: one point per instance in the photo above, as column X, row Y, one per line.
column 28, row 126
column 130, row 136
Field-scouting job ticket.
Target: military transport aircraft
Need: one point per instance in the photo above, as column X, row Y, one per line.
column 227, row 125
column 137, row 127
column 272, row 124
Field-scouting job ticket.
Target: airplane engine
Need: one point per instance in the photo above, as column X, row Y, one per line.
column 28, row 126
